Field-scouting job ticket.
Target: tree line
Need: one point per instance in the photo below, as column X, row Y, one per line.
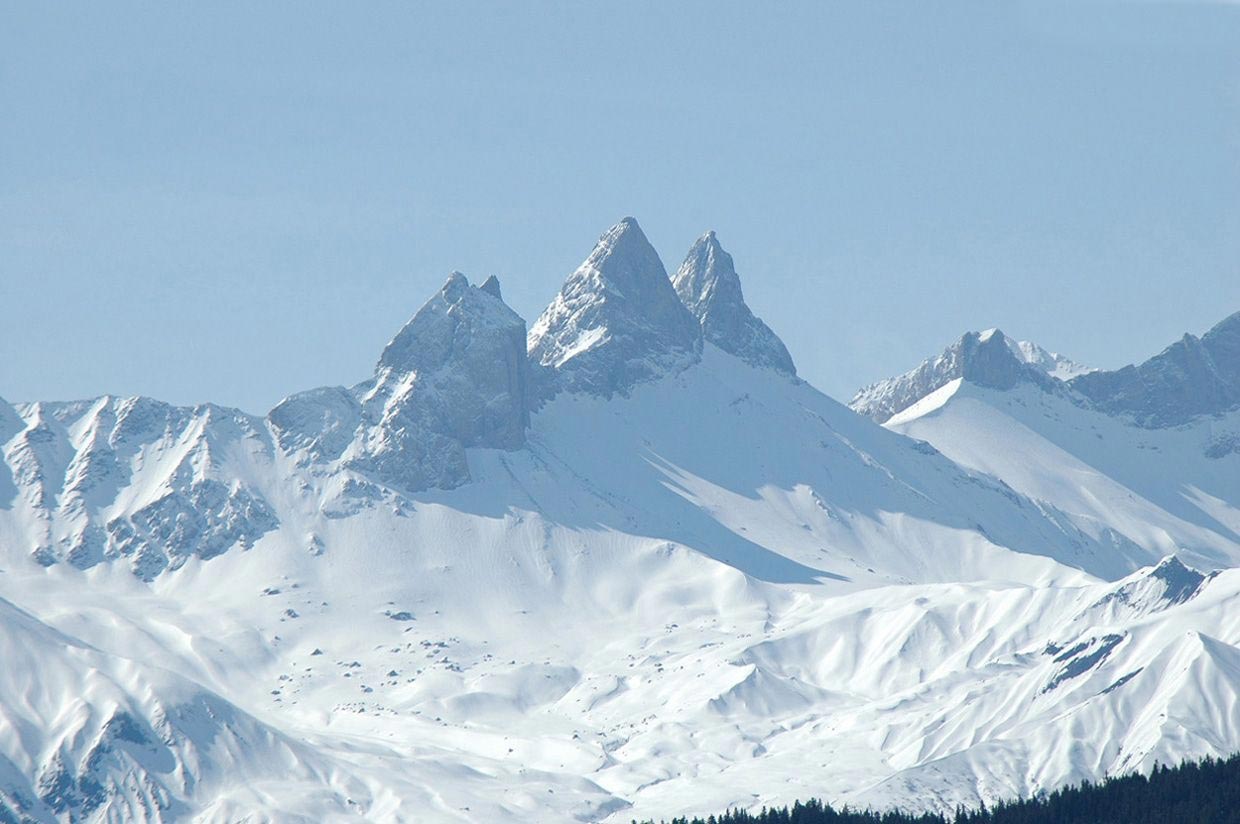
column 1196, row 792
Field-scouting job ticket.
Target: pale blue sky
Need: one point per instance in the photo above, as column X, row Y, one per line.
column 233, row 203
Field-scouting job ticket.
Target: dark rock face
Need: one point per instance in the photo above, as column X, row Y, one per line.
column 1194, row 376
column 989, row 361
column 1181, row 582
column 616, row 322
column 986, row 359
column 454, row 377
column 461, row 362
column 709, row 287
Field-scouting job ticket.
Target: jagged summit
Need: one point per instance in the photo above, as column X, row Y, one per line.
column 461, row 360
column 1194, row 376
column 989, row 358
column 455, row 376
column 491, row 287
column 617, row 320
column 1052, row 363
column 725, row 550
column 472, row 330
column 709, row 287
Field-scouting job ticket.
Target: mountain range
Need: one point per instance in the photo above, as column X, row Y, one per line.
column 621, row 564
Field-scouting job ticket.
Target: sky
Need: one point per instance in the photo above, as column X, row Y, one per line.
column 235, row 202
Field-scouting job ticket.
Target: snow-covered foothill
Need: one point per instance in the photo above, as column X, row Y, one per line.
column 631, row 571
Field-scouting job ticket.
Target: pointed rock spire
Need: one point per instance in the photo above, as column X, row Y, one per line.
column 491, row 287
column 616, row 322
column 455, row 376
column 468, row 339
column 709, row 287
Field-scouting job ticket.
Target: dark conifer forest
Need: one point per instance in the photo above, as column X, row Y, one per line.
column 1202, row 792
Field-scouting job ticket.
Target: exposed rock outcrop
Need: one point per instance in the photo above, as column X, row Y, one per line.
column 709, row 287
column 1193, row 376
column 616, row 322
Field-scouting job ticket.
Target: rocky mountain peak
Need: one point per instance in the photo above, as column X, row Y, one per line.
column 1193, row 376
column 457, row 327
column 988, row 358
column 992, row 359
column 616, row 322
column 454, row 377
column 709, row 287
column 1153, row 589
column 491, row 287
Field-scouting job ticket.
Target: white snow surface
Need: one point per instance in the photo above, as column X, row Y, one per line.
column 1052, row 363
column 685, row 581
column 1153, row 491
column 723, row 590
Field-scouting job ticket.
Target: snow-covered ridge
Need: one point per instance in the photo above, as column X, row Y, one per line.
column 1154, row 488
column 1191, row 378
column 1100, row 447
column 1052, row 363
column 987, row 358
column 635, row 571
column 173, row 483
column 136, row 479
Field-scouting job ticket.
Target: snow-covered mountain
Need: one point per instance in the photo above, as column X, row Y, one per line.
column 988, row 358
column 630, row 566
column 1123, row 461
column 616, row 322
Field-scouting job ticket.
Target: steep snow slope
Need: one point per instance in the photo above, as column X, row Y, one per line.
column 84, row 733
column 453, row 666
column 1163, row 490
column 669, row 580
column 1101, row 460
column 755, row 469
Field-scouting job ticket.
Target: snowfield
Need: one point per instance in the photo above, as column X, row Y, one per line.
column 636, row 576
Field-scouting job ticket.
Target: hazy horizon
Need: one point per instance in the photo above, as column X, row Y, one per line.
column 238, row 203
